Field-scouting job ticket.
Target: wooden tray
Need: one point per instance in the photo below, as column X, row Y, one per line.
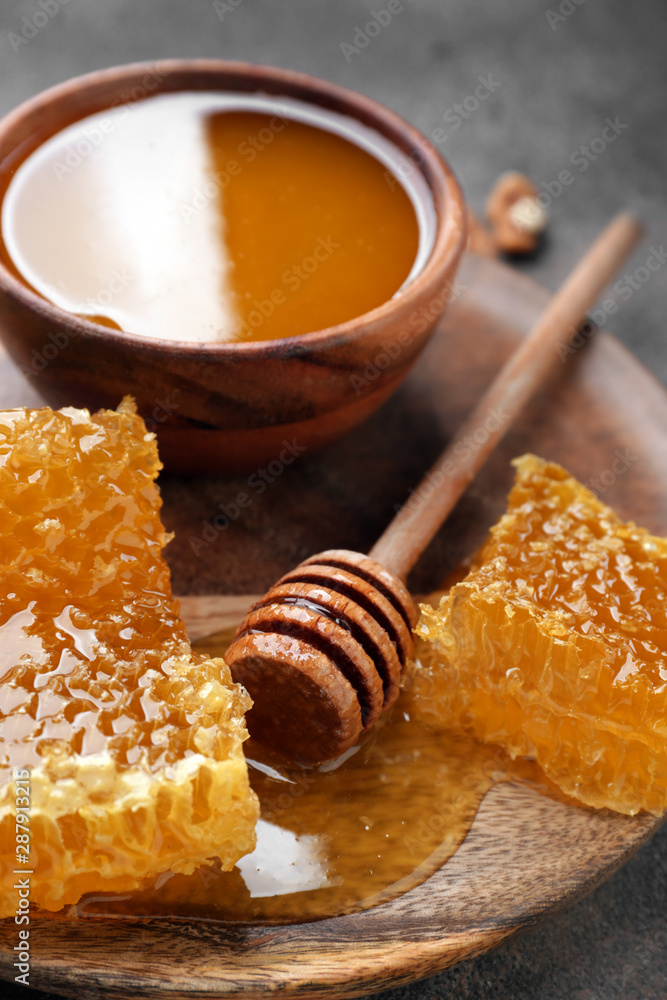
column 604, row 418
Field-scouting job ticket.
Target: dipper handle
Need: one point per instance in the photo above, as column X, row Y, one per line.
column 418, row 521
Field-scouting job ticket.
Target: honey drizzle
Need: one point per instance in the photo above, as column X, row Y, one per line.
column 344, row 837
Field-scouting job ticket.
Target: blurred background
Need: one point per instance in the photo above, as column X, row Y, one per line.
column 557, row 77
column 555, row 71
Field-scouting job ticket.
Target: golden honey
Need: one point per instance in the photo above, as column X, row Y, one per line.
column 348, row 835
column 553, row 648
column 132, row 745
column 555, row 644
column 209, row 217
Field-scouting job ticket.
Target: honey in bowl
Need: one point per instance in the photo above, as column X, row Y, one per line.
column 216, row 217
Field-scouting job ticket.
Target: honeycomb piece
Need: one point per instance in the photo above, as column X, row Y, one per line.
column 133, row 744
column 555, row 644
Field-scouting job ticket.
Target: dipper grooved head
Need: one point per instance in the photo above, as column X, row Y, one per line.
column 322, row 654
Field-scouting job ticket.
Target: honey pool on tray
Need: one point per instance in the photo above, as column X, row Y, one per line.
column 141, row 803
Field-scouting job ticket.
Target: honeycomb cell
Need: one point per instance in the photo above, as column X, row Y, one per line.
column 132, row 743
column 555, row 644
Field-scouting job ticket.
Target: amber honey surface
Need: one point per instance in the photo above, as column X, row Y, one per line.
column 555, row 645
column 187, row 216
column 130, row 744
column 134, row 743
column 344, row 837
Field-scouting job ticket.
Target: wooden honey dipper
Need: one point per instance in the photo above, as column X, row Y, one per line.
column 323, row 653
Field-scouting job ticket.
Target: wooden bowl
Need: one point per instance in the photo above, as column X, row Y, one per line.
column 223, row 407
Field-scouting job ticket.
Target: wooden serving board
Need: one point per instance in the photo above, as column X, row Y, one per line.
column 603, row 417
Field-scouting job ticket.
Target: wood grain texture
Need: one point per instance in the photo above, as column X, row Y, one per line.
column 232, row 405
column 322, row 654
column 519, row 380
column 526, row 855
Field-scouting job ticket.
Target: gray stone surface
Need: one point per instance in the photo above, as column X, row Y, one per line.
column 553, row 86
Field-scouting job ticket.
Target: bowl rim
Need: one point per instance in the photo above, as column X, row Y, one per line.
column 450, row 226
